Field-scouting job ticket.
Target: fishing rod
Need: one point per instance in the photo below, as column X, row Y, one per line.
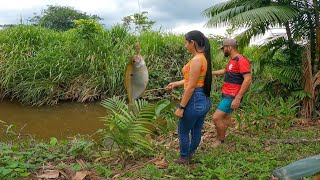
column 149, row 90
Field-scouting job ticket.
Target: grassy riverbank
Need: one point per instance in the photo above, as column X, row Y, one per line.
column 245, row 155
column 40, row 66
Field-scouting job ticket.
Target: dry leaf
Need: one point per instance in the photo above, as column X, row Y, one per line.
column 116, row 176
column 160, row 162
column 80, row 175
column 49, row 174
column 317, row 177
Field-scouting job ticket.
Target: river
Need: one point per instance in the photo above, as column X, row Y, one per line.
column 60, row 121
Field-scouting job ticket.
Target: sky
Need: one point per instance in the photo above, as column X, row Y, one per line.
column 176, row 16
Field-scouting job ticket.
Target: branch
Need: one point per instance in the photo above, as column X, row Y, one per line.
column 290, row 141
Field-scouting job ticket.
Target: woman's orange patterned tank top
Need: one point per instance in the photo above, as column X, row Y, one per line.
column 186, row 72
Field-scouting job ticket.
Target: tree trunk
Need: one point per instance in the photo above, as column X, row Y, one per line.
column 311, row 24
column 317, row 50
column 308, row 102
column 289, row 35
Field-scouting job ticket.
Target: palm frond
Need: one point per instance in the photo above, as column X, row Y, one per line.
column 245, row 37
column 222, row 18
column 274, row 15
column 288, row 76
column 140, row 104
column 218, row 8
column 114, row 104
column 128, row 129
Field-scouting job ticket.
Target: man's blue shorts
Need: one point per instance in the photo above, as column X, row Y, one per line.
column 225, row 105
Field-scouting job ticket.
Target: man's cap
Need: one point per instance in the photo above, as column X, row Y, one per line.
column 229, row 42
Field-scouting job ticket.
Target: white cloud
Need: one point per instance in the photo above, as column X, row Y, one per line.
column 184, row 27
column 171, row 15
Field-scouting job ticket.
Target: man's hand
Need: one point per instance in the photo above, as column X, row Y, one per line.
column 235, row 103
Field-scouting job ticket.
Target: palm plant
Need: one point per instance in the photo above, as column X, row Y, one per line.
column 299, row 18
column 128, row 129
column 255, row 16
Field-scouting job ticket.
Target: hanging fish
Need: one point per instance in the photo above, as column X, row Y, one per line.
column 137, row 77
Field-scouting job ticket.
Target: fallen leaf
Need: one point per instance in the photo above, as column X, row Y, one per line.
column 116, row 176
column 80, row 175
column 49, row 174
column 317, row 177
column 160, row 163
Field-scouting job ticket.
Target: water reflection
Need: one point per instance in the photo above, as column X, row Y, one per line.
column 61, row 121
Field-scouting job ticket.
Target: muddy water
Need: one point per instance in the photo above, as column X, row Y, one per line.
column 61, row 121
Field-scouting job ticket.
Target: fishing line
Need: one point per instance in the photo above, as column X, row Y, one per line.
column 139, row 6
column 149, row 90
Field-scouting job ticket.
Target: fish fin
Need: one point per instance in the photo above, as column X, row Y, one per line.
column 128, row 77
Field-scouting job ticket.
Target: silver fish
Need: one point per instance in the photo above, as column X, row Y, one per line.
column 136, row 77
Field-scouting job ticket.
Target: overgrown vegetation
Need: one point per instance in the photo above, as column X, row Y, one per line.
column 130, row 158
column 41, row 66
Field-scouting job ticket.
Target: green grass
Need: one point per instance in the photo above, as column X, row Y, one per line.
column 41, row 66
column 244, row 156
column 241, row 157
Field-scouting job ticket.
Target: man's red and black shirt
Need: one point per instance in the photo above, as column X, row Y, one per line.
column 236, row 68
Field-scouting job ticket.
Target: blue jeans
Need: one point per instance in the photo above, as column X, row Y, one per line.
column 192, row 121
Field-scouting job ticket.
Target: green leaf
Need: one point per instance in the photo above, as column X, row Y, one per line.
column 13, row 165
column 60, row 166
column 4, row 171
column 76, row 167
column 162, row 104
column 53, row 141
column 25, row 174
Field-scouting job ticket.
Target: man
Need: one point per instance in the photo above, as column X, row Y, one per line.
column 237, row 81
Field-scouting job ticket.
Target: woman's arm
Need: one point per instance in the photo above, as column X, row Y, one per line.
column 173, row 85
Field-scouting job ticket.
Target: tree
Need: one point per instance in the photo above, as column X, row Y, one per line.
column 300, row 18
column 60, row 18
column 139, row 20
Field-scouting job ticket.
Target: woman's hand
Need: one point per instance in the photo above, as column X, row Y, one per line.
column 179, row 113
column 171, row 86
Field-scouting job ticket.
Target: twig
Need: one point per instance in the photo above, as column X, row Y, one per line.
column 290, row 141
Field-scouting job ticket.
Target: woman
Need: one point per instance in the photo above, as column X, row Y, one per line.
column 195, row 101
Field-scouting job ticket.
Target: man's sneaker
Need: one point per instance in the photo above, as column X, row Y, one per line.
column 182, row 160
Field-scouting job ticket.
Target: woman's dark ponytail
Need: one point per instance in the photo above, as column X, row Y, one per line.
column 203, row 41
column 208, row 78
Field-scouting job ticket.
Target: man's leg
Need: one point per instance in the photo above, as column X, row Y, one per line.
column 227, row 121
column 219, row 119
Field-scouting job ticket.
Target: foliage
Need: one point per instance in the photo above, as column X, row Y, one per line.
column 128, row 128
column 40, row 66
column 60, row 17
column 298, row 18
column 19, row 159
column 256, row 17
column 139, row 20
column 87, row 29
column 258, row 112
column 243, row 156
column 275, row 70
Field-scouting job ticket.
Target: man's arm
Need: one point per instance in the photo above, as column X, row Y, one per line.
column 219, row 72
column 247, row 79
